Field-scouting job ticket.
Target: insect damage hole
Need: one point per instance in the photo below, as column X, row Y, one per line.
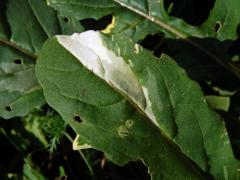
column 123, row 131
column 18, row 61
column 8, row 108
column 96, row 24
column 66, row 19
column 77, row 118
column 217, row 26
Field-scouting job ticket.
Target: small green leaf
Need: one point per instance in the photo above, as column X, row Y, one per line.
column 30, row 173
column 219, row 102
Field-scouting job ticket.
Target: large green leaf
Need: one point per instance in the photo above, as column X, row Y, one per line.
column 138, row 106
column 24, row 26
column 223, row 15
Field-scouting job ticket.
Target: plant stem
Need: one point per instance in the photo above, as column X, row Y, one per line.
column 81, row 154
column 12, row 45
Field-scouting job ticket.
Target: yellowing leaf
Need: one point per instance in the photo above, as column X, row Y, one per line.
column 109, row 28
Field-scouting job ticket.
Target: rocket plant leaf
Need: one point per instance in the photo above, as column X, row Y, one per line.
column 122, row 100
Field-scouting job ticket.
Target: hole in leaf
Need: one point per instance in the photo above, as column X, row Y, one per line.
column 217, row 26
column 65, row 19
column 8, row 108
column 77, row 118
column 155, row 43
column 197, row 11
column 93, row 24
column 18, row 61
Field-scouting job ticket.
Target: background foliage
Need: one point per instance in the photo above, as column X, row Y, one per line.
column 201, row 37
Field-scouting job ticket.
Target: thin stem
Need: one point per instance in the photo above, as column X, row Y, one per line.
column 81, row 154
column 12, row 45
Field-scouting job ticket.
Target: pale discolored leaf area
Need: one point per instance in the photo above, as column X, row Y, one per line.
column 133, row 106
column 24, row 26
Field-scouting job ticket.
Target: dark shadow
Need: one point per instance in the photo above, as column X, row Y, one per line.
column 193, row 12
column 199, row 65
column 207, row 71
column 93, row 24
column 15, row 143
column 3, row 18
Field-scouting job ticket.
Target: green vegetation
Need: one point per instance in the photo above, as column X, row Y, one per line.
column 119, row 89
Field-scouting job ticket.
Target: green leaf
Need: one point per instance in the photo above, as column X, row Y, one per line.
column 33, row 125
column 127, row 22
column 151, row 17
column 30, row 173
column 135, row 106
column 223, row 20
column 219, row 102
column 20, row 92
column 30, row 23
column 70, row 25
column 223, row 14
column 32, row 30
column 45, row 16
column 48, row 128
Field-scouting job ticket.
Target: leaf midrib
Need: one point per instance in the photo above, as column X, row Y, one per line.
column 18, row 48
column 191, row 164
column 188, row 161
column 81, row 4
column 35, row 14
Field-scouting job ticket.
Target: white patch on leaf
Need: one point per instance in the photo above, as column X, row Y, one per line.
column 88, row 47
column 148, row 110
column 137, row 49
